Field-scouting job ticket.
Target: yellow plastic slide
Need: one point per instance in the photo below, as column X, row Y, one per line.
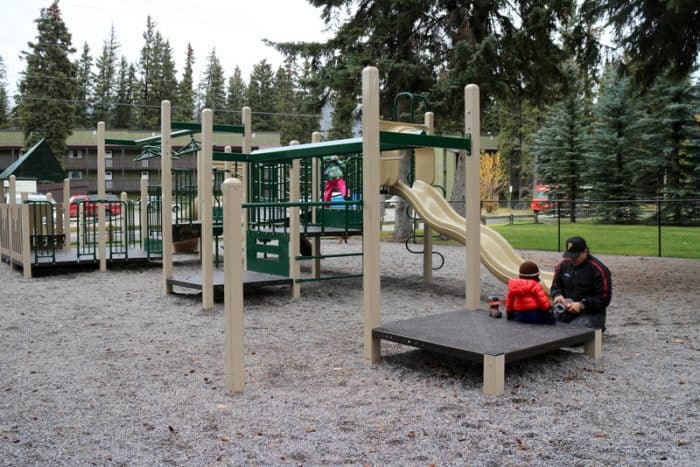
column 497, row 254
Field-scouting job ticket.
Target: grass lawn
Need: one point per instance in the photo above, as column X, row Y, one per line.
column 629, row 240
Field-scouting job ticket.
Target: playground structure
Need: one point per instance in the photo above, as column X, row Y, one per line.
column 465, row 333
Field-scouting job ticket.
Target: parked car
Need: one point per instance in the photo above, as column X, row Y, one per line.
column 30, row 197
column 112, row 208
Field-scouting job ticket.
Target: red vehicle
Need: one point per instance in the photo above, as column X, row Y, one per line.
column 541, row 199
column 90, row 208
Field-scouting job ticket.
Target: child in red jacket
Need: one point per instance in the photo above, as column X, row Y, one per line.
column 526, row 300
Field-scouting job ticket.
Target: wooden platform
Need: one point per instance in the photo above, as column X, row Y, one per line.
column 473, row 335
column 250, row 279
column 69, row 260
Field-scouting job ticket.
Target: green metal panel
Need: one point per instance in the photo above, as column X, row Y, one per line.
column 192, row 126
column 268, row 252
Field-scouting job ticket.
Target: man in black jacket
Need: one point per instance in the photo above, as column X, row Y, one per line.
column 583, row 285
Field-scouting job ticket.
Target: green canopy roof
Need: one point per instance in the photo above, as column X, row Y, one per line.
column 38, row 163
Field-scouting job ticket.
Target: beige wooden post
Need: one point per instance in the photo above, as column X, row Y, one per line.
column 26, row 239
column 101, row 224
column 234, row 336
column 124, row 221
column 166, row 195
column 429, row 121
column 371, row 284
column 205, row 202
column 494, row 374
column 246, row 117
column 594, row 347
column 11, row 220
column 66, row 215
column 294, row 233
column 472, row 127
column 143, row 215
column 315, row 184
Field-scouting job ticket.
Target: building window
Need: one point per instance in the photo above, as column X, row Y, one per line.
column 144, row 163
column 75, row 153
column 108, row 158
column 75, row 174
column 108, row 175
column 145, row 173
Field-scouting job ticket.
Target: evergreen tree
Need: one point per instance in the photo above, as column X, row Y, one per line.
column 83, row 106
column 658, row 36
column 285, row 106
column 261, row 96
column 4, row 100
column 164, row 83
column 212, row 89
column 47, row 91
column 671, row 134
column 148, row 107
column 105, row 78
column 185, row 99
column 558, row 146
column 235, row 97
column 122, row 116
column 612, row 147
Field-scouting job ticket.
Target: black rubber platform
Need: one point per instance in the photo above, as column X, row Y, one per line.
column 471, row 334
column 250, row 279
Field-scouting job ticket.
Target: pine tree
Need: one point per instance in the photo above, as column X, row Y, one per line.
column 612, row 146
column 164, row 84
column 671, row 134
column 105, row 78
column 261, row 96
column 185, row 99
column 235, row 97
column 285, row 106
column 148, row 107
column 212, row 89
column 83, row 106
column 4, row 101
column 47, row 91
column 122, row 116
column 558, row 146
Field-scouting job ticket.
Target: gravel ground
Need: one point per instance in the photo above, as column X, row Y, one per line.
column 107, row 369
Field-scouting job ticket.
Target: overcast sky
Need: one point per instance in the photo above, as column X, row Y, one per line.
column 234, row 27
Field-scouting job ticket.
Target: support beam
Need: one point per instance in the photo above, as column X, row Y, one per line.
column 234, row 335
column 429, row 121
column 101, row 223
column 315, row 192
column 66, row 215
column 371, row 279
column 206, row 206
column 594, row 347
column 472, row 127
column 294, row 225
column 166, row 195
column 494, row 374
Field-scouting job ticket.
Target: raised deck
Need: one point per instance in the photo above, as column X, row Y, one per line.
column 473, row 335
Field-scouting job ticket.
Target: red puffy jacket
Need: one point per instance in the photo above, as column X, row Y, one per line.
column 526, row 295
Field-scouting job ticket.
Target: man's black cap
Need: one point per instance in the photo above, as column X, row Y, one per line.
column 574, row 247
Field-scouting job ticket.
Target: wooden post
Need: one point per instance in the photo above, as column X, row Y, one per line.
column 594, row 347
column 166, row 195
column 143, row 215
column 294, row 231
column 234, row 344
column 371, row 279
column 205, row 202
column 315, row 191
column 429, row 122
column 11, row 220
column 26, row 239
column 494, row 374
column 124, row 210
column 472, row 127
column 101, row 224
column 66, row 215
column 247, row 147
